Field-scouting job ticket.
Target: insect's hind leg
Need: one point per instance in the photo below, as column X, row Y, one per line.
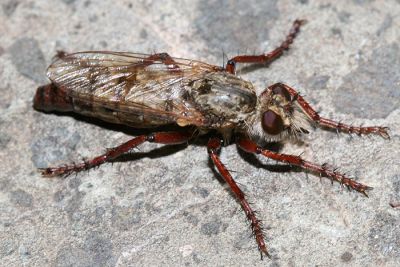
column 168, row 138
column 267, row 57
column 213, row 146
column 324, row 122
column 165, row 58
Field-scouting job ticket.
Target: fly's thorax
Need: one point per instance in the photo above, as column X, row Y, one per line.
column 224, row 99
column 277, row 116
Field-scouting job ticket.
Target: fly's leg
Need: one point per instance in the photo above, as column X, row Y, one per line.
column 165, row 58
column 168, row 138
column 214, row 145
column 268, row 57
column 251, row 147
column 316, row 118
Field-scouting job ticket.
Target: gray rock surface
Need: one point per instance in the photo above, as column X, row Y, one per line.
column 167, row 207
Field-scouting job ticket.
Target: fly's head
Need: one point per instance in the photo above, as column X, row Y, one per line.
column 277, row 116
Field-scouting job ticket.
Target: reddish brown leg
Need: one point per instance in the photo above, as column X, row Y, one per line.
column 214, row 145
column 251, row 147
column 268, row 57
column 165, row 58
column 168, row 138
column 314, row 116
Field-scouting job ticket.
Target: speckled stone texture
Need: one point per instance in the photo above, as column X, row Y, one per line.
column 167, row 207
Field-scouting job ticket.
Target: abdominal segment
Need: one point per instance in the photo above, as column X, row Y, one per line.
column 51, row 98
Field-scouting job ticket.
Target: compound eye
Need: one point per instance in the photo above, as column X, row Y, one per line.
column 280, row 90
column 272, row 123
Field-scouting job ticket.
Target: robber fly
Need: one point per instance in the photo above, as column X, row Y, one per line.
column 147, row 91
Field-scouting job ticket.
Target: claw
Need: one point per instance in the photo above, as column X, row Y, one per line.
column 53, row 172
column 263, row 251
column 47, row 172
column 365, row 190
column 383, row 131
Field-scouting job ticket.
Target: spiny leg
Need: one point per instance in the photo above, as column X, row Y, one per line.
column 214, row 145
column 251, row 147
column 268, row 57
column 165, row 58
column 316, row 118
column 168, row 138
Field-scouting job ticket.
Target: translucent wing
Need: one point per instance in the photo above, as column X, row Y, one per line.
column 135, row 89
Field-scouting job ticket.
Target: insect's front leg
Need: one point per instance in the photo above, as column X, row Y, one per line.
column 324, row 122
column 251, row 147
column 168, row 138
column 214, row 145
column 267, row 57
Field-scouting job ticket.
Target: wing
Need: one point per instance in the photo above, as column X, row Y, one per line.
column 134, row 89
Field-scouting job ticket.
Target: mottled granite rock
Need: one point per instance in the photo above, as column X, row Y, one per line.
column 167, row 207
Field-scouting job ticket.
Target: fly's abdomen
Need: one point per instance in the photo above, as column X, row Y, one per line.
column 51, row 98
column 140, row 113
